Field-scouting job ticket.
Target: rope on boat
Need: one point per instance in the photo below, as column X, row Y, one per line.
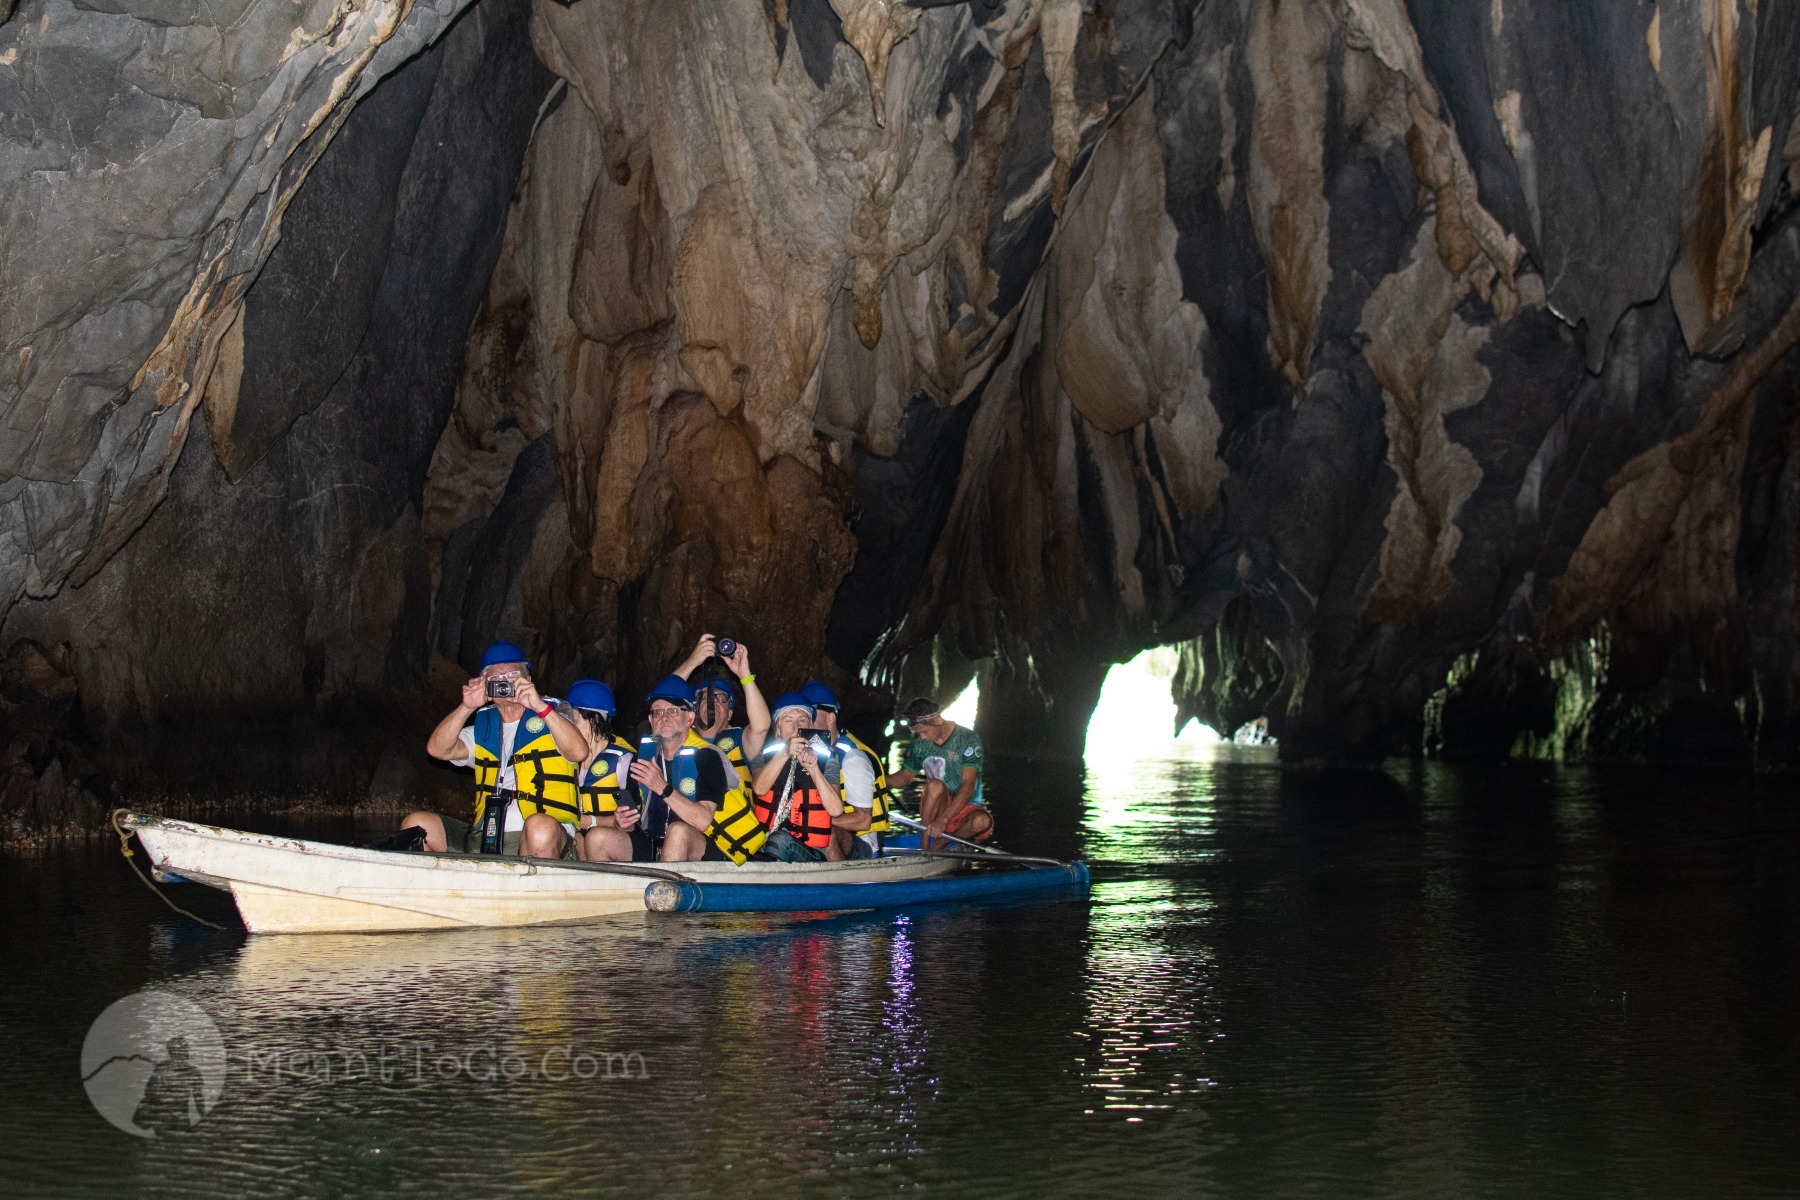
column 987, row 856
column 117, row 822
column 976, row 851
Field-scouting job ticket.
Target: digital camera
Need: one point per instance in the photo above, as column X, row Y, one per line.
column 817, row 740
column 500, row 689
column 726, row 647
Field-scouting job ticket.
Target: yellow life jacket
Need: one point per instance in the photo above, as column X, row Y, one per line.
column 734, row 829
column 878, row 810
column 731, row 741
column 606, row 778
column 544, row 779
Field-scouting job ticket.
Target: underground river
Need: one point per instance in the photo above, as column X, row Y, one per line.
column 1432, row 980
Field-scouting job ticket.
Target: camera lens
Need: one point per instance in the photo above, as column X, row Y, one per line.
column 727, row 647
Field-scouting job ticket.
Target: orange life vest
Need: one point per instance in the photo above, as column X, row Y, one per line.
column 808, row 820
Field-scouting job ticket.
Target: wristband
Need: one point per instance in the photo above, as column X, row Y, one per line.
column 667, row 791
column 547, row 710
column 747, row 679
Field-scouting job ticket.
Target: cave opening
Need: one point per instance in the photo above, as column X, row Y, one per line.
column 1137, row 714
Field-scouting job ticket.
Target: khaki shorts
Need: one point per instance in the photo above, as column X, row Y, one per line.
column 460, row 836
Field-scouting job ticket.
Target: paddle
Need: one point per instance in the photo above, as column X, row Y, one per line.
column 981, row 851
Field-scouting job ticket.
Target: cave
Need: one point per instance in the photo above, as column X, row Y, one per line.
column 1422, row 371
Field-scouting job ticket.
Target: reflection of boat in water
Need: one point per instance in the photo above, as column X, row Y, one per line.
column 291, row 885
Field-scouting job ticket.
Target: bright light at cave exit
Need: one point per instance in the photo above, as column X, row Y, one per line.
column 1135, row 709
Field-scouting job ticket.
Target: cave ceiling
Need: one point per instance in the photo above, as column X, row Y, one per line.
column 1423, row 370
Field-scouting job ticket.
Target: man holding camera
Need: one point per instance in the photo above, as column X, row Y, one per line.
column 946, row 758
column 687, row 805
column 713, row 701
column 523, row 752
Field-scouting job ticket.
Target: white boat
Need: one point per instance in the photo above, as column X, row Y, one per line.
column 291, row 885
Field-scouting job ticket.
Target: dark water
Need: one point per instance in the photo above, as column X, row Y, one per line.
column 1431, row 982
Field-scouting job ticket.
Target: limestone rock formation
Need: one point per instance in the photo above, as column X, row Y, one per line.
column 1423, row 369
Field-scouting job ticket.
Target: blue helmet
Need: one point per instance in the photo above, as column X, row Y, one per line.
column 819, row 696
column 503, row 652
column 790, row 700
column 592, row 694
column 674, row 689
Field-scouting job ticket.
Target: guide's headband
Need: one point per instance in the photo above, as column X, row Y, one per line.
column 921, row 718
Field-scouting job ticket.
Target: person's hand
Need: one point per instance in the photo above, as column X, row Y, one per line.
column 648, row 774
column 704, row 649
column 797, row 748
column 526, row 693
column 739, row 662
column 474, row 693
column 627, row 818
column 934, row 831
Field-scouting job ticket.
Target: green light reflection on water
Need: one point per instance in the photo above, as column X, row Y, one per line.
column 1148, row 1030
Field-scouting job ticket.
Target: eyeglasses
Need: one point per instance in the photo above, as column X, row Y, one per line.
column 667, row 710
column 504, row 675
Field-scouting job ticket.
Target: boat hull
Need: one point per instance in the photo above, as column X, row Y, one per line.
column 291, row 885
column 669, row 896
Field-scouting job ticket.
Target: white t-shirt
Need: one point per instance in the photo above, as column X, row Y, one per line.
column 857, row 774
column 509, row 778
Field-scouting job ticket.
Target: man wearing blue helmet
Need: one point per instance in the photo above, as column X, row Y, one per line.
column 860, row 776
column 686, row 791
column 706, row 669
column 523, row 752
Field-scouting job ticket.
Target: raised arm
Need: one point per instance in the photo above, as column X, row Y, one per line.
column 756, row 709
column 571, row 743
column 769, row 772
column 828, row 795
column 704, row 649
column 445, row 742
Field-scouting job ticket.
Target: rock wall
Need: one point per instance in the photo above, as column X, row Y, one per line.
column 264, row 627
column 1423, row 369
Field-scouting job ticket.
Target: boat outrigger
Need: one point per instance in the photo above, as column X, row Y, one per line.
column 292, row 885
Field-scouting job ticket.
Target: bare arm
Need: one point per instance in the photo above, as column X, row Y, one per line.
column 698, row 813
column 704, row 649
column 828, row 795
column 858, row 778
column 445, row 742
column 965, row 795
column 769, row 772
column 854, row 819
column 756, row 709
column 902, row 779
column 571, row 743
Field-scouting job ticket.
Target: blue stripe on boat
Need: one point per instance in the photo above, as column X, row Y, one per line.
column 668, row 896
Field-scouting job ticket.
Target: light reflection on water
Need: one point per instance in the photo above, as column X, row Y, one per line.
column 1436, row 982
